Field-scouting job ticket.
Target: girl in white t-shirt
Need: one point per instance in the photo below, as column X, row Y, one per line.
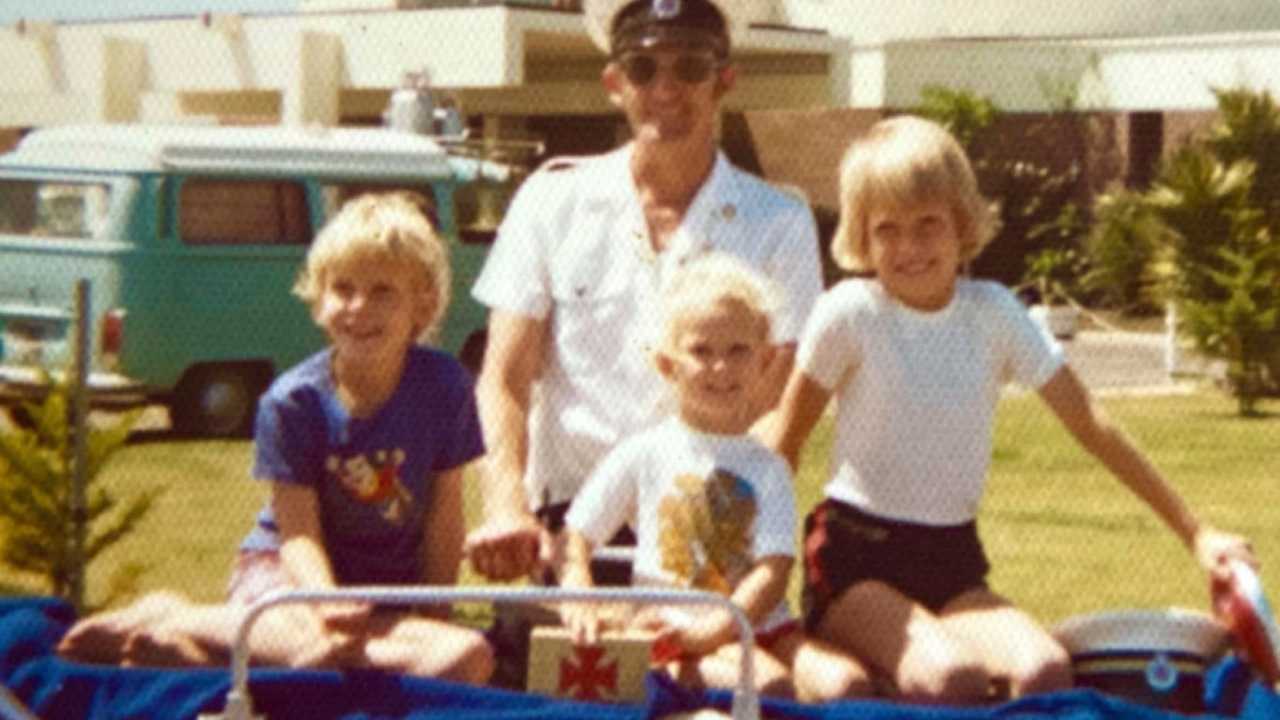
column 916, row 356
column 712, row 508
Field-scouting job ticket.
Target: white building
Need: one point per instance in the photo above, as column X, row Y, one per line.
column 1036, row 54
column 336, row 61
column 526, row 67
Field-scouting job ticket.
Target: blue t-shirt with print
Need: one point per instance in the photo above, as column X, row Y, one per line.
column 372, row 475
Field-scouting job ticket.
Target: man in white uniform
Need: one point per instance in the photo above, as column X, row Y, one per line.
column 574, row 279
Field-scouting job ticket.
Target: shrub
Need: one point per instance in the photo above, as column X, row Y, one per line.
column 961, row 112
column 43, row 532
column 1220, row 262
column 1121, row 246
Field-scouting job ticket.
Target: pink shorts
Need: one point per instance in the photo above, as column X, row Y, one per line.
column 254, row 574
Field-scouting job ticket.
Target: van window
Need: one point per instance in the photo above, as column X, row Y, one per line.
column 243, row 212
column 335, row 195
column 54, row 210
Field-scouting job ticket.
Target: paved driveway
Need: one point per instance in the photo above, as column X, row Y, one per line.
column 1127, row 362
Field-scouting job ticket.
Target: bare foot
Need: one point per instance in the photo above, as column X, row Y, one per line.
column 102, row 638
column 157, row 647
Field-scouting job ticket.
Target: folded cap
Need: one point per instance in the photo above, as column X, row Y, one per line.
column 620, row 25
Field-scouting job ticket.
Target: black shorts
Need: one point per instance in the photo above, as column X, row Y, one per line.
column 603, row 572
column 843, row 546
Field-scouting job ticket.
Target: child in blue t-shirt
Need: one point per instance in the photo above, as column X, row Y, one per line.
column 364, row 445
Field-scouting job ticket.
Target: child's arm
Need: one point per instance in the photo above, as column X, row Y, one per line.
column 582, row 619
column 803, row 402
column 758, row 593
column 576, row 571
column 1067, row 397
column 443, row 530
column 297, row 513
column 606, row 502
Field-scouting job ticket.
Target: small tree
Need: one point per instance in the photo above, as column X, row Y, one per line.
column 1242, row 327
column 962, row 113
column 41, row 530
column 1220, row 261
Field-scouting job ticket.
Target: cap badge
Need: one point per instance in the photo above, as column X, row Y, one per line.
column 666, row 9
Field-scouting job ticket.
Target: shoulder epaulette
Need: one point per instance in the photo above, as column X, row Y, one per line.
column 561, row 163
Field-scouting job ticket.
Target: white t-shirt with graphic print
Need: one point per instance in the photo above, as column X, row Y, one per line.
column 916, row 393
column 703, row 507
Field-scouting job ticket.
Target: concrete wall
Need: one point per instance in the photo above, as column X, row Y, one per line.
column 328, row 67
column 1135, row 74
column 863, row 21
column 879, row 21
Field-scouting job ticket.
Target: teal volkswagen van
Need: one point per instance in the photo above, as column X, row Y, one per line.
column 191, row 237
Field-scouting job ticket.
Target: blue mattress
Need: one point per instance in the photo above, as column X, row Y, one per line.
column 54, row 688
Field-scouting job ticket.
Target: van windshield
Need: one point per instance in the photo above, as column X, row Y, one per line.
column 68, row 210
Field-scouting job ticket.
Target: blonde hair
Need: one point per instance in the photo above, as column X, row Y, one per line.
column 907, row 160
column 715, row 278
column 393, row 225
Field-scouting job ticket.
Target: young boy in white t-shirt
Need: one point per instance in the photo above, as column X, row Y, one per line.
column 915, row 359
column 712, row 508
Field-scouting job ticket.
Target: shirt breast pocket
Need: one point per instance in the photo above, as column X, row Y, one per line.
column 593, row 326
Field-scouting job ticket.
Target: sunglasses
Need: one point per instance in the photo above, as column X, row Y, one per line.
column 689, row 68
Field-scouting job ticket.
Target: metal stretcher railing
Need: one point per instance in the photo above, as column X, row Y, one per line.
column 11, row 708
column 239, row 706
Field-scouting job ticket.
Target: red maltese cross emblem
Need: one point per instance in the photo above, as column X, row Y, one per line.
column 588, row 674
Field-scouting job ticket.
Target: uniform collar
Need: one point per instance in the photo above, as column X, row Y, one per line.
column 716, row 205
column 616, row 165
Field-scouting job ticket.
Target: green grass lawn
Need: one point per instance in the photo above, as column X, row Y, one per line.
column 1064, row 538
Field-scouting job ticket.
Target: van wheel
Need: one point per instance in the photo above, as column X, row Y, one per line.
column 218, row 400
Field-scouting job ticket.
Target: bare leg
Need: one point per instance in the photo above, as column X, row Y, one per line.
column 158, row 647
column 102, row 638
column 1012, row 644
column 822, row 671
column 720, row 670
column 290, row 636
column 194, row 635
column 427, row 647
column 902, row 640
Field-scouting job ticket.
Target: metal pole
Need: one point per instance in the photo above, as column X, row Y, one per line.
column 1171, row 339
column 78, row 386
column 239, row 706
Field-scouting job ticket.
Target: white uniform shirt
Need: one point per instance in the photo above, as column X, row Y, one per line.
column 916, row 393
column 704, row 507
column 574, row 248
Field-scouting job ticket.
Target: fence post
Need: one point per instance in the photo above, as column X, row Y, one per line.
column 78, row 384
